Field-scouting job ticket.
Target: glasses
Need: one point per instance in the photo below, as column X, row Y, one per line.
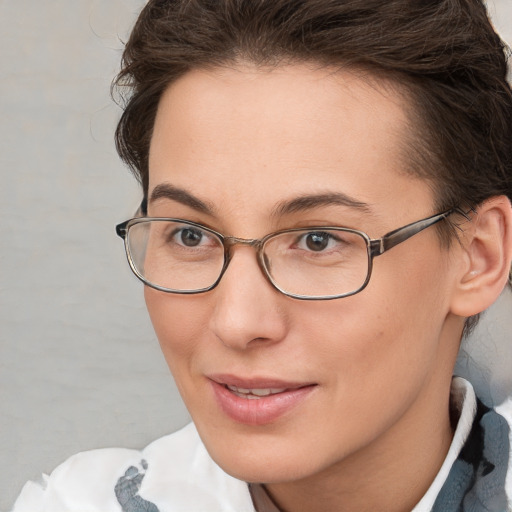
column 314, row 263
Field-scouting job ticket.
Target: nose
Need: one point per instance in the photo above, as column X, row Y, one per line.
column 247, row 309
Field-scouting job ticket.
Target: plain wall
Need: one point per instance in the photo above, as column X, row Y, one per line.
column 80, row 366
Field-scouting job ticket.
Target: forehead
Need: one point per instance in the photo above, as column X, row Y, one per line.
column 246, row 134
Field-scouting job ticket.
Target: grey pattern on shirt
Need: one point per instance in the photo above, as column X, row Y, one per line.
column 476, row 482
column 127, row 490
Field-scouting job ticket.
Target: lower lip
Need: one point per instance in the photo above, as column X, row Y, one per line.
column 260, row 411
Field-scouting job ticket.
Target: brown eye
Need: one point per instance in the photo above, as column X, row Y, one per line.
column 190, row 237
column 317, row 241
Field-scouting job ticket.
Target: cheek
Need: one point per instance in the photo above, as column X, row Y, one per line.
column 389, row 333
column 178, row 322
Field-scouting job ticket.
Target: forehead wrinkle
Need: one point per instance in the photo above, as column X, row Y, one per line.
column 309, row 202
column 180, row 195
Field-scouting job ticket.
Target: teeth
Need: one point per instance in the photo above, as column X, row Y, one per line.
column 252, row 394
column 261, row 392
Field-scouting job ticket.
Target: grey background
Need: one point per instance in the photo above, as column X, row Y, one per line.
column 80, row 367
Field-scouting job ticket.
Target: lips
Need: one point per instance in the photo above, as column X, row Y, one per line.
column 257, row 401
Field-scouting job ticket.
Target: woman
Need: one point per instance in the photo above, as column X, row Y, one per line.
column 326, row 211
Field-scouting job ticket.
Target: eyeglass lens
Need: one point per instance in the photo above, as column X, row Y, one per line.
column 178, row 256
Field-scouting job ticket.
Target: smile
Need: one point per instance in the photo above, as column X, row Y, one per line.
column 258, row 402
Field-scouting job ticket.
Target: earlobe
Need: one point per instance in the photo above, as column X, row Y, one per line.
column 486, row 257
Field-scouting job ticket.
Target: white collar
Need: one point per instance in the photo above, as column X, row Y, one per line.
column 463, row 399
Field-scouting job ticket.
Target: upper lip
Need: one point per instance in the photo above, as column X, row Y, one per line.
column 257, row 382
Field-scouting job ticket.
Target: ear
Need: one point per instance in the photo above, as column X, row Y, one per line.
column 486, row 255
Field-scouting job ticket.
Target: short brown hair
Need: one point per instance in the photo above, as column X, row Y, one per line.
column 445, row 53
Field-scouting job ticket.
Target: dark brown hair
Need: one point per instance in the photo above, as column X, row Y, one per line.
column 445, row 53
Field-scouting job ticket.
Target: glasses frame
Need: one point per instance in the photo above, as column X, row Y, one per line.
column 374, row 247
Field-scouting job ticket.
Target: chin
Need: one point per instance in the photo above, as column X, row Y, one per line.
column 271, row 471
column 259, row 458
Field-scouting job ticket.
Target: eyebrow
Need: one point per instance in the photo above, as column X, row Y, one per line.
column 311, row 201
column 297, row 204
column 168, row 191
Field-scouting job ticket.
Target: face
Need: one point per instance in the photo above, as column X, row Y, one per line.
column 346, row 377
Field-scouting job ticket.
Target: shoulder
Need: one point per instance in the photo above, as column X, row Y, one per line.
column 86, row 478
column 171, row 474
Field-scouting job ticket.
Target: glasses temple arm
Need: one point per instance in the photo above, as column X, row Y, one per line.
column 397, row 236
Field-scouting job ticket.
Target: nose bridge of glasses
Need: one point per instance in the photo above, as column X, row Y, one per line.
column 262, row 259
column 231, row 241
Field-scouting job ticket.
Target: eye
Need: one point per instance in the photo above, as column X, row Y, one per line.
column 190, row 237
column 317, row 241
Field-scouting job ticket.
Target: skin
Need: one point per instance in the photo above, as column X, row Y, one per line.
column 375, row 429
